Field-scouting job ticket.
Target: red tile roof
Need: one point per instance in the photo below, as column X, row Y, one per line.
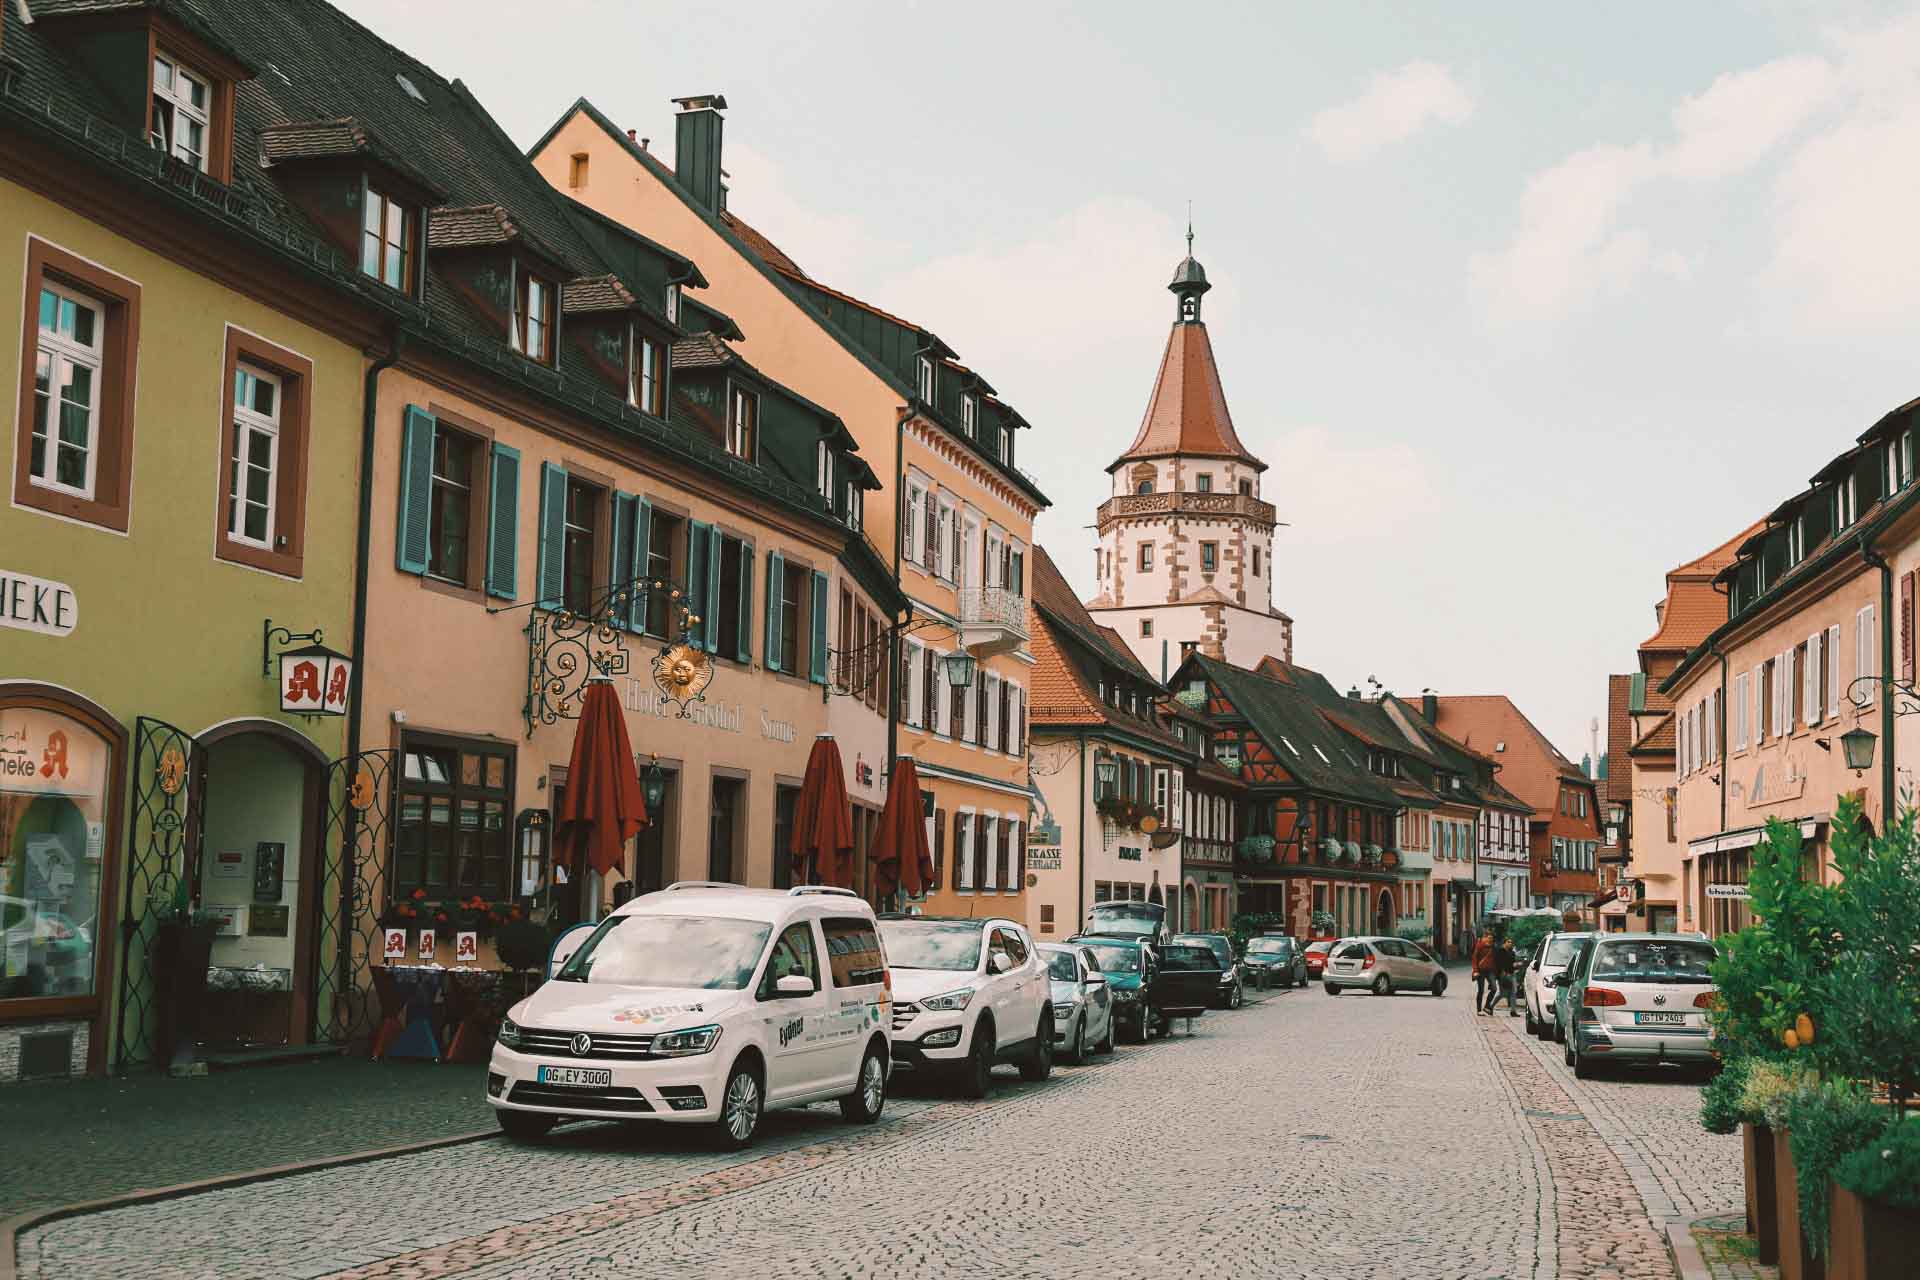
column 1531, row 767
column 1693, row 611
column 1187, row 413
column 768, row 251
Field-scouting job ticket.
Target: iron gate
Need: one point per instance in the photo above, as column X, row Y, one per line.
column 162, row 846
column 348, row 897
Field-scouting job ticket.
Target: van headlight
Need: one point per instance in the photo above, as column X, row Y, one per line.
column 509, row 1033
column 685, row 1044
column 948, row 1003
column 1125, row 994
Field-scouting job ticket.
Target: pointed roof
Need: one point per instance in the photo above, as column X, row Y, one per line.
column 1187, row 414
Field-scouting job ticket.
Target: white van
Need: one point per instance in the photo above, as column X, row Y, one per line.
column 703, row 1003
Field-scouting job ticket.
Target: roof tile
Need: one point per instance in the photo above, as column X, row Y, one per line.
column 1187, row 413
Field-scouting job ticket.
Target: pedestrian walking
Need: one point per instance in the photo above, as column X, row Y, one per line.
column 1506, row 968
column 1484, row 985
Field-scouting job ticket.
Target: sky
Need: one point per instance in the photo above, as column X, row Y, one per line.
column 1524, row 304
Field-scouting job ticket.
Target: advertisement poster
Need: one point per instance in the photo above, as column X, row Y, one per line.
column 396, row 944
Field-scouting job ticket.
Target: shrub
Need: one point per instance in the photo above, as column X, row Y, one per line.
column 1827, row 1122
column 1526, row 931
column 1767, row 1086
column 1869, row 1019
column 1887, row 1171
column 1721, row 1110
column 523, row 944
column 1413, row 931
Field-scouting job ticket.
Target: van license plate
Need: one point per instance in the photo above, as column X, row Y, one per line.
column 579, row 1077
column 1660, row 1019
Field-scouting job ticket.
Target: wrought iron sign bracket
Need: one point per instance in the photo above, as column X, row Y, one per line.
column 1906, row 698
column 269, row 633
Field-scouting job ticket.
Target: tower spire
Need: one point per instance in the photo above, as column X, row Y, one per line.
column 1189, row 228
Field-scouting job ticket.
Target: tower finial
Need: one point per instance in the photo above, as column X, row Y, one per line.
column 1189, row 228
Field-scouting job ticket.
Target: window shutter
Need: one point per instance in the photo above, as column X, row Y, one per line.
column 636, row 569
column 1020, row 855
column 416, row 491
column 939, row 846
column 746, row 603
column 1002, row 864
column 503, row 524
column 818, row 650
column 930, row 550
column 776, row 570
column 1810, row 681
column 698, row 563
column 620, row 598
column 710, row 603
column 930, row 687
column 553, row 532
column 1906, row 626
column 1017, row 579
column 1833, row 669
column 962, row 853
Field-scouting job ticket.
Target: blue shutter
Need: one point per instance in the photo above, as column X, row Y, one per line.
column 636, row 569
column 551, row 571
column 416, row 491
column 716, row 547
column 746, row 603
column 620, row 596
column 699, row 602
column 776, row 565
column 819, row 646
column 503, row 525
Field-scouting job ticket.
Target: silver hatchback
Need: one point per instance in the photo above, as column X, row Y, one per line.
column 1382, row 966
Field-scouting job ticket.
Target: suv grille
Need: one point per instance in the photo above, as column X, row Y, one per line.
column 617, row 1098
column 560, row 1045
column 903, row 1013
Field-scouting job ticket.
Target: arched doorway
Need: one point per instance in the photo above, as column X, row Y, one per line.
column 1384, row 915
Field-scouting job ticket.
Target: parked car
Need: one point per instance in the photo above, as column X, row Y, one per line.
column 1639, row 997
column 1560, row 992
column 1185, row 982
column 1551, row 956
column 703, row 1004
column 1082, row 1004
column 969, row 993
column 1317, row 955
column 1383, row 966
column 1233, row 991
column 1278, row 959
column 1128, row 965
column 1127, row 918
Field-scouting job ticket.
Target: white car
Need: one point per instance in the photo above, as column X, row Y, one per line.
column 968, row 993
column 702, row 1003
column 1082, row 1004
column 1551, row 956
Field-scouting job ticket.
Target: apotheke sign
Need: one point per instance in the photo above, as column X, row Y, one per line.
column 35, row 604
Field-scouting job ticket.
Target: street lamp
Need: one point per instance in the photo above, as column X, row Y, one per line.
column 1857, row 744
column 1616, row 814
column 1105, row 773
column 959, row 665
column 653, row 788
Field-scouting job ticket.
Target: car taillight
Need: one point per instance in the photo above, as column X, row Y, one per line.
column 1707, row 1000
column 1602, row 997
column 1368, row 962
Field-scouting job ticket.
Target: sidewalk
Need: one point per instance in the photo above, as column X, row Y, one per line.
column 1726, row 1252
column 77, row 1140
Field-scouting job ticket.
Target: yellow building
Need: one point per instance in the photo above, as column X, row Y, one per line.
column 954, row 513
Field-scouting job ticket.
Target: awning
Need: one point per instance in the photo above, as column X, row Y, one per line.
column 1747, row 837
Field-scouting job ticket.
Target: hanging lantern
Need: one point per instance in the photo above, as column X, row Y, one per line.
column 1857, row 743
column 653, row 788
column 959, row 666
column 314, row 681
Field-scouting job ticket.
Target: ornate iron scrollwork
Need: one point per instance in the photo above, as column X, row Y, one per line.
column 564, row 651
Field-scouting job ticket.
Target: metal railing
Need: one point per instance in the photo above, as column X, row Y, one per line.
column 1185, row 503
column 993, row 607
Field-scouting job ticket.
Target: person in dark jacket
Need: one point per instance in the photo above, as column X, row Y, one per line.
column 1506, row 968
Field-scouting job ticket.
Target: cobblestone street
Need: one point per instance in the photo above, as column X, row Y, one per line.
column 1307, row 1136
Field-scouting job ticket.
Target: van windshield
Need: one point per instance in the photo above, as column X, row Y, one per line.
column 1663, row 961
column 1115, row 959
column 712, row 953
column 927, row 944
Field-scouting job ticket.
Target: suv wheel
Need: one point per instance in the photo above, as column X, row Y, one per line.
column 976, row 1074
column 1039, row 1064
column 740, row 1107
column 524, row 1126
column 869, row 1096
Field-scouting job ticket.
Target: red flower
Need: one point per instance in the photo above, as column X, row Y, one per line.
column 513, row 914
column 440, row 916
column 419, row 895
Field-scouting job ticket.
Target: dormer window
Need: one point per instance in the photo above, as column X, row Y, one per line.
column 969, row 411
column 387, row 231
column 856, row 507
column 1006, row 448
column 182, row 112
column 1797, row 540
column 1845, row 503
column 823, row 469
column 531, row 331
column 743, row 416
column 673, row 303
column 1900, row 461
column 926, row 380
column 646, row 374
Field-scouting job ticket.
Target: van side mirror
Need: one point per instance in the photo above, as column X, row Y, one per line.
column 1000, row 962
column 565, row 945
column 1096, row 980
column 794, row 984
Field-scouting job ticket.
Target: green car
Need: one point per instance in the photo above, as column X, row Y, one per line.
column 1128, row 966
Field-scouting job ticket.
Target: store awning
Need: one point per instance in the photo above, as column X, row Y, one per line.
column 1747, row 837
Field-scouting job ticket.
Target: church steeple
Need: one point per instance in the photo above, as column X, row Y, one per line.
column 1189, row 282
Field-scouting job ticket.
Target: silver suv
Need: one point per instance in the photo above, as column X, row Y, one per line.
column 1638, row 996
column 1382, row 966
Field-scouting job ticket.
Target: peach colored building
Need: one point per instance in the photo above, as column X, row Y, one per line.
column 1819, row 643
column 954, row 514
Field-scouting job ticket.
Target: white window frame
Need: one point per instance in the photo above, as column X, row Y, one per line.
column 673, row 303
column 1005, row 437
column 179, row 105
column 1846, row 504
column 991, row 739
column 640, row 380
column 823, row 461
column 914, row 536
column 63, row 355
column 1815, row 667
column 969, row 413
column 736, row 437
column 1012, row 822
column 926, row 380
column 1742, row 709
column 986, row 829
column 1832, row 649
column 247, row 423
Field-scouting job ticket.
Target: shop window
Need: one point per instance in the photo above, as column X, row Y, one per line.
column 263, row 486
column 76, row 390
column 453, row 836
column 389, row 230
column 56, row 776
column 726, row 824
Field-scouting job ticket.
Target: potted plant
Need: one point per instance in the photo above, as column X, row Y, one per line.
column 1256, row 848
column 1373, row 854
column 181, row 948
column 1826, row 1120
column 1874, row 1230
column 1352, row 850
column 1322, row 924
column 1329, row 850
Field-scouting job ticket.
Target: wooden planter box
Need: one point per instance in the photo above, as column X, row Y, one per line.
column 1763, row 1218
column 1797, row 1260
column 1869, row 1240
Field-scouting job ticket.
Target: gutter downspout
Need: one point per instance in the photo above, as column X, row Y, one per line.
column 1875, row 559
column 1080, row 877
column 893, row 638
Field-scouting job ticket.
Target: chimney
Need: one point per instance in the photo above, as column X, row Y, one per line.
column 696, row 148
column 1353, row 693
column 633, row 135
column 1430, row 707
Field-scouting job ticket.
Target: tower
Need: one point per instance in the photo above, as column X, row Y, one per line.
column 1185, row 558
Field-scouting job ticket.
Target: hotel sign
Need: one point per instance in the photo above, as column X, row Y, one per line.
column 39, row 605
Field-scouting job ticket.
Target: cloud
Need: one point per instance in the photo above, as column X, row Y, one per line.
column 1396, row 105
column 828, row 246
column 1400, row 486
column 1743, row 115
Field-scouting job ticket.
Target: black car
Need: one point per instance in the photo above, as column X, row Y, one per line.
column 1233, row 989
column 1277, row 959
column 1186, row 980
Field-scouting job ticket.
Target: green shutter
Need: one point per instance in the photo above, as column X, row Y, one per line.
column 819, row 647
column 503, row 525
column 550, row 575
column 636, row 569
column 746, row 603
column 620, row 592
column 776, row 565
column 698, row 555
column 416, row 491
column 716, row 547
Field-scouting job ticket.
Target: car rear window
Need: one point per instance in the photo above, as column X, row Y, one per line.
column 1352, row 951
column 1561, row 951
column 1221, row 948
column 853, row 952
column 1654, row 961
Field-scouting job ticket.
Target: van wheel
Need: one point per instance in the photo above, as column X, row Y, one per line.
column 1039, row 1064
column 1439, row 987
column 525, row 1126
column 976, row 1074
column 869, row 1096
column 740, row 1107
column 1584, row 1068
column 1383, row 985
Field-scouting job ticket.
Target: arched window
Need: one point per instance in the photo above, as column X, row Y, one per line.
column 1145, row 486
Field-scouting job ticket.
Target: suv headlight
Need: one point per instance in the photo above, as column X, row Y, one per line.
column 948, row 1003
column 1124, row 994
column 1064, row 1008
column 684, row 1044
column 509, row 1033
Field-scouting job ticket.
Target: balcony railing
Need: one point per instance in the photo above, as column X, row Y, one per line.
column 1185, row 503
column 1194, row 849
column 993, row 619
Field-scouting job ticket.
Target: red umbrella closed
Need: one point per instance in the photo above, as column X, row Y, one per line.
column 822, row 843
column 900, row 852
column 602, row 808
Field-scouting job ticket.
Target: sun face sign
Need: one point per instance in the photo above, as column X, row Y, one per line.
column 682, row 673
